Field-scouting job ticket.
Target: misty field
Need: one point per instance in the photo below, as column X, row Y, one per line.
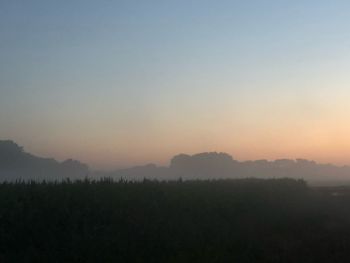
column 247, row 220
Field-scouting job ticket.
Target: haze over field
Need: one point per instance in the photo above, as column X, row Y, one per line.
column 121, row 83
column 17, row 164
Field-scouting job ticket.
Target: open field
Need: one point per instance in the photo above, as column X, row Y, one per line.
column 247, row 220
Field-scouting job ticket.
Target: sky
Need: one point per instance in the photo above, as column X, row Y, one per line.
column 120, row 83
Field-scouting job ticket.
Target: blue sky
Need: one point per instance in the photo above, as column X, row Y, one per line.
column 116, row 83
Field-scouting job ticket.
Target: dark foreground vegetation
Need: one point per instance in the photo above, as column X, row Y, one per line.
column 248, row 220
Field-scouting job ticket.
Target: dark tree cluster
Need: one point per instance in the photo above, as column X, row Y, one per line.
column 16, row 164
column 245, row 220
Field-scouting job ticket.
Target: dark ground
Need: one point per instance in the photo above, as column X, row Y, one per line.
column 248, row 220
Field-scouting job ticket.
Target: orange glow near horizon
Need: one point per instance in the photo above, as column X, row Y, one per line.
column 324, row 144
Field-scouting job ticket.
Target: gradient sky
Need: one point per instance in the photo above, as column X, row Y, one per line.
column 118, row 83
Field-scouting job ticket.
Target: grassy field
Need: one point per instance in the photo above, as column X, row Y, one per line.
column 247, row 220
